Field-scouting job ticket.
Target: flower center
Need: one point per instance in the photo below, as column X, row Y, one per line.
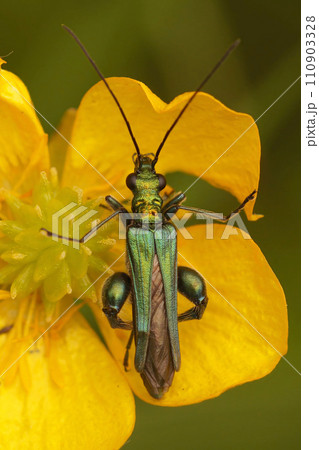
column 41, row 275
column 32, row 260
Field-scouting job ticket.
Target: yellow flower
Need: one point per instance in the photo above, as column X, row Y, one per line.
column 64, row 391
column 69, row 376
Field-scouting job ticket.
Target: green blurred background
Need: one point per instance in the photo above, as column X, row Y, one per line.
column 171, row 46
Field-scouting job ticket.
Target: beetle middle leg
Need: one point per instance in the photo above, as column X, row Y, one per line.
column 192, row 286
column 114, row 294
column 90, row 233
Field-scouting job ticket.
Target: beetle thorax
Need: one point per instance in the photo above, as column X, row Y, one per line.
column 146, row 185
column 146, row 197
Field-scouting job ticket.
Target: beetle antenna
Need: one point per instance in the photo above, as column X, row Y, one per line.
column 77, row 40
column 168, row 132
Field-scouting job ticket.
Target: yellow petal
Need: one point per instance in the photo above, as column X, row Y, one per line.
column 243, row 331
column 57, row 145
column 208, row 134
column 23, row 144
column 75, row 398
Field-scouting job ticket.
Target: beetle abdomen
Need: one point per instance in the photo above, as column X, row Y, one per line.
column 158, row 371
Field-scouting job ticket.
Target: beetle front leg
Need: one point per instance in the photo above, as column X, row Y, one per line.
column 126, row 218
column 115, row 205
column 114, row 294
column 191, row 284
column 172, row 209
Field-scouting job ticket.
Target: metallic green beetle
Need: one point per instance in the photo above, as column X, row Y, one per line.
column 154, row 277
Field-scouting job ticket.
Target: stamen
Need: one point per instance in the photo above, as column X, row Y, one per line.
column 65, row 318
column 12, row 352
column 54, row 177
column 26, row 194
column 55, row 369
column 4, row 295
column 38, row 210
column 30, row 313
column 79, row 193
column 20, row 317
column 86, row 250
column 25, row 373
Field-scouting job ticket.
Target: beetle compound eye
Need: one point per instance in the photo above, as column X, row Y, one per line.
column 162, row 181
column 131, row 181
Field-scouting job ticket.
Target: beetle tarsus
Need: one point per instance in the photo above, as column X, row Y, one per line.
column 194, row 313
column 242, row 205
column 127, row 353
